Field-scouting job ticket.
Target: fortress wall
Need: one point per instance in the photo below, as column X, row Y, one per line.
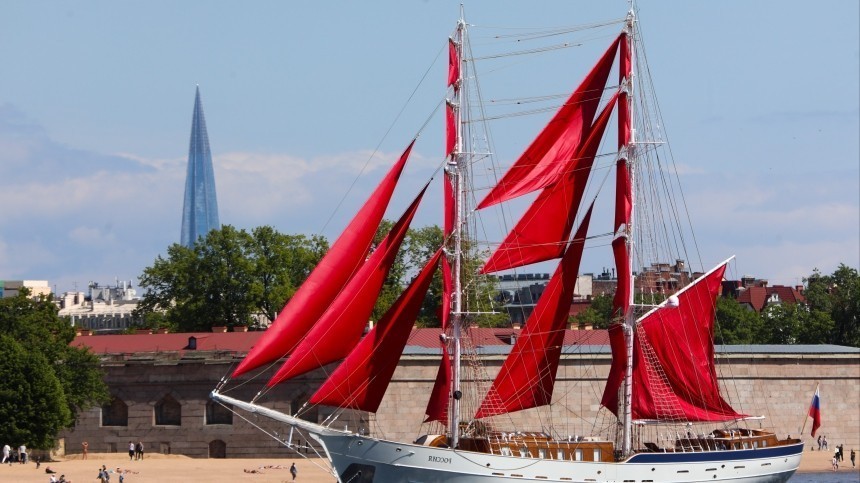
column 778, row 386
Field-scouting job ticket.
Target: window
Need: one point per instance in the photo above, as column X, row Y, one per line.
column 115, row 413
column 218, row 414
column 596, row 454
column 168, row 412
column 577, row 455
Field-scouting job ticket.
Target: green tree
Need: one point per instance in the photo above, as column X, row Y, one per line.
column 598, row 314
column 736, row 324
column 44, row 382
column 837, row 295
column 227, row 278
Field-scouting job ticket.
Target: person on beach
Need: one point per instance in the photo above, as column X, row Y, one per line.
column 853, row 455
column 294, row 471
column 131, row 451
column 834, row 463
column 85, row 447
column 138, row 450
column 22, row 454
column 819, row 442
column 7, row 454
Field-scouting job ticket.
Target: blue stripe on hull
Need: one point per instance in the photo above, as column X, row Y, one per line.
column 717, row 456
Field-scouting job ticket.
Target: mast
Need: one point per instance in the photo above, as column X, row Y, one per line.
column 454, row 170
column 629, row 317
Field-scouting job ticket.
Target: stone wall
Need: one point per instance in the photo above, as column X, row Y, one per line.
column 777, row 385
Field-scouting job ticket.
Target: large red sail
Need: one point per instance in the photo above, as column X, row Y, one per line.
column 542, row 162
column 543, row 230
column 437, row 405
column 623, row 188
column 341, row 326
column 323, row 284
column 674, row 376
column 360, row 381
column 527, row 376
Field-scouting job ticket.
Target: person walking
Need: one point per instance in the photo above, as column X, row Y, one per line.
column 138, row 449
column 22, row 454
column 7, row 454
column 131, row 451
column 853, row 455
column 294, row 471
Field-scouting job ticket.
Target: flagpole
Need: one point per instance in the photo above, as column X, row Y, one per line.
column 806, row 417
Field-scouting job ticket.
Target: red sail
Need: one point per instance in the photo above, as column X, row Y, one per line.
column 543, row 230
column 341, row 326
column 674, row 376
column 527, row 376
column 623, row 189
column 453, row 64
column 360, row 381
column 327, row 279
column 450, row 129
column 437, row 406
column 623, row 208
column 447, row 290
column 543, row 161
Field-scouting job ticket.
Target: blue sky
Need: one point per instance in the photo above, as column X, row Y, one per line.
column 760, row 100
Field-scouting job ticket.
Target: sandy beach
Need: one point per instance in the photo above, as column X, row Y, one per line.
column 158, row 468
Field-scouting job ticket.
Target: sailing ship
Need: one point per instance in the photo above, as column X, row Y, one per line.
column 662, row 387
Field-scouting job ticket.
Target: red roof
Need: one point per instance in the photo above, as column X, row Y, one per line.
column 243, row 341
column 757, row 297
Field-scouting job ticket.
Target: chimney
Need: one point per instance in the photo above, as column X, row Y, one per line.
column 163, row 330
column 517, row 325
column 219, row 329
column 83, row 332
column 240, row 328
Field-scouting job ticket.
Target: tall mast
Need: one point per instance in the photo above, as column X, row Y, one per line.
column 455, row 171
column 629, row 316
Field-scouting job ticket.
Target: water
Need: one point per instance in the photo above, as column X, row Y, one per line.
column 827, row 477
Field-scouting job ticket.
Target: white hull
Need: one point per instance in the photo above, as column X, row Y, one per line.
column 389, row 462
column 361, row 459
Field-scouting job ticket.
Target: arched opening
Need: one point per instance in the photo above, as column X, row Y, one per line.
column 168, row 412
column 216, row 413
column 217, row 449
column 115, row 413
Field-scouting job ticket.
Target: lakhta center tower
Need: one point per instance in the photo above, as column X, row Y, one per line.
column 200, row 210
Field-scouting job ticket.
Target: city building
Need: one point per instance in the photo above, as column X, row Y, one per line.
column 200, row 208
column 104, row 309
column 519, row 293
column 11, row 288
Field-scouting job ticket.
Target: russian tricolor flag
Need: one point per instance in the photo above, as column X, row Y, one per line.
column 815, row 412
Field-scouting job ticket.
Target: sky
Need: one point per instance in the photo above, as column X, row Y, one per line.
column 760, row 100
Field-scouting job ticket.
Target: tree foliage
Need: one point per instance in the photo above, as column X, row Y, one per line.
column 837, row 295
column 44, row 382
column 229, row 278
column 736, row 324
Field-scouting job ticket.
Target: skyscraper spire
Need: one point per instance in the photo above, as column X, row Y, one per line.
column 200, row 210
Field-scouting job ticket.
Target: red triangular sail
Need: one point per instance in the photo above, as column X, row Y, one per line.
column 437, row 406
column 323, row 284
column 543, row 230
column 450, row 129
column 360, row 381
column 341, row 326
column 527, row 376
column 674, row 376
column 542, row 161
